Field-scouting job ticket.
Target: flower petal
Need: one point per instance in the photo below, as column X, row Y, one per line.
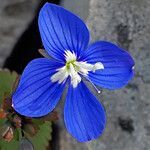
column 84, row 116
column 61, row 30
column 118, row 65
column 36, row 95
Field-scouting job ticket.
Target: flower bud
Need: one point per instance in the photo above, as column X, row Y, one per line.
column 7, row 132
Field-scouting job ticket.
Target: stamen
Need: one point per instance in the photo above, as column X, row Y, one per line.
column 75, row 78
column 97, row 90
column 60, row 76
column 74, row 69
column 90, row 67
column 69, row 56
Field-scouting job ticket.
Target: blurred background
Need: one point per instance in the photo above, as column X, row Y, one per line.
column 124, row 22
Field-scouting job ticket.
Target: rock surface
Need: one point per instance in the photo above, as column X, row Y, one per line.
column 15, row 15
column 126, row 23
column 80, row 8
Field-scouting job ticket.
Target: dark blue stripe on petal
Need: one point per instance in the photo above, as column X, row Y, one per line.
column 118, row 65
column 61, row 30
column 84, row 116
column 36, row 95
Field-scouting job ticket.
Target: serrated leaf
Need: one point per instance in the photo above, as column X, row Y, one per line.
column 42, row 138
column 7, row 80
column 6, row 83
column 13, row 145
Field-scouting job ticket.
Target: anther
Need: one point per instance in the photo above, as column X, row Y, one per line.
column 97, row 90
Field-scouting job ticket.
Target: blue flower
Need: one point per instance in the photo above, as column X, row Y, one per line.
column 65, row 38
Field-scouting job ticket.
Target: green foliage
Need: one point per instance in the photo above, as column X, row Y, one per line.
column 13, row 145
column 43, row 136
column 7, row 80
column 40, row 140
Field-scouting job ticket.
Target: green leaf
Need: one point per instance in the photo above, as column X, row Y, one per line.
column 42, row 138
column 7, row 80
column 17, row 134
column 13, row 145
column 6, row 83
column 38, row 121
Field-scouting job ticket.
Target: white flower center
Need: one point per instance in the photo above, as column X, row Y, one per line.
column 74, row 69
